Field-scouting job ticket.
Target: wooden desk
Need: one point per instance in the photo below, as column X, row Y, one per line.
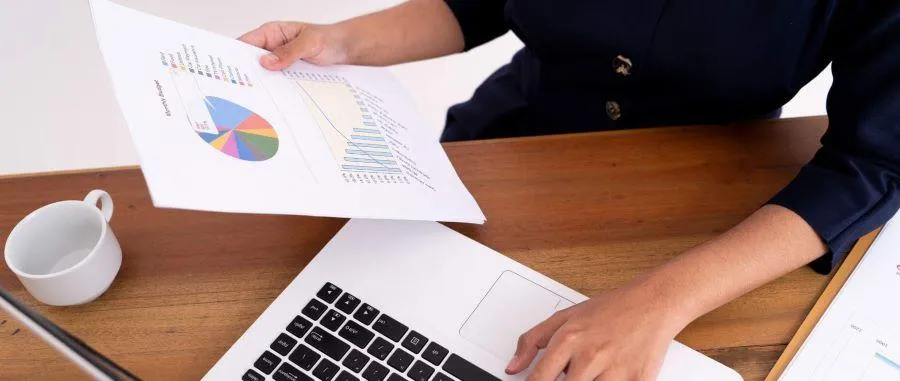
column 590, row 211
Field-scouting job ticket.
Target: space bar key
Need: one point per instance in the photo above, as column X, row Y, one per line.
column 466, row 371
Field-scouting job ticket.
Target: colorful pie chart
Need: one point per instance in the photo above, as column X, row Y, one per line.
column 241, row 133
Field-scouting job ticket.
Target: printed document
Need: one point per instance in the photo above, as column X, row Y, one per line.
column 216, row 131
column 858, row 337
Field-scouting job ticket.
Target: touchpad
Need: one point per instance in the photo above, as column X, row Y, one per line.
column 511, row 307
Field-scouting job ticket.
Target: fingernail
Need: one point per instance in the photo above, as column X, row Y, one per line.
column 512, row 362
column 271, row 58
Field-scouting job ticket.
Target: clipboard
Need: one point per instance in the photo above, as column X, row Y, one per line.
column 840, row 277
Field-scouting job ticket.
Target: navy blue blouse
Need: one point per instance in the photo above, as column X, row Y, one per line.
column 592, row 65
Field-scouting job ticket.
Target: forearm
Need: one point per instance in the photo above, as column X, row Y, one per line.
column 415, row 30
column 770, row 243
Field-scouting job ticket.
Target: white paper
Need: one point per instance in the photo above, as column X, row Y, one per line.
column 858, row 337
column 216, row 131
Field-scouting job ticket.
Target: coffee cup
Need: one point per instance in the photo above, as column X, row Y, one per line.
column 65, row 253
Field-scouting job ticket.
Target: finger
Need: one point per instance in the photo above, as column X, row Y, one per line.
column 256, row 37
column 585, row 366
column 615, row 374
column 272, row 34
column 555, row 360
column 532, row 341
column 299, row 48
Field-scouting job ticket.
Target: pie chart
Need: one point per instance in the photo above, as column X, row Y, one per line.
column 242, row 134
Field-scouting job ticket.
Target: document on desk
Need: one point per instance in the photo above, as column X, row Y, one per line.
column 216, row 131
column 858, row 336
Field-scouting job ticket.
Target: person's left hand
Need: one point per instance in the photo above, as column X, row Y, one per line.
column 621, row 335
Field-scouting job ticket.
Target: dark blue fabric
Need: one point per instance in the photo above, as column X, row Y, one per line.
column 706, row 61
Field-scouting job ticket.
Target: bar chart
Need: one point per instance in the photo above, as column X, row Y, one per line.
column 349, row 125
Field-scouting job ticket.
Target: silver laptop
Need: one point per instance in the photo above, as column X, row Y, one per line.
column 407, row 300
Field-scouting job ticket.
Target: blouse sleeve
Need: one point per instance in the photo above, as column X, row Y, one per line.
column 480, row 20
column 852, row 184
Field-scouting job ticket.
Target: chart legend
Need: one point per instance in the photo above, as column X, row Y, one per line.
column 188, row 59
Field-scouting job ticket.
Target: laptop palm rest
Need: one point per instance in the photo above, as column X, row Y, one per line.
column 512, row 306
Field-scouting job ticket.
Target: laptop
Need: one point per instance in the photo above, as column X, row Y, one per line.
column 410, row 301
column 388, row 301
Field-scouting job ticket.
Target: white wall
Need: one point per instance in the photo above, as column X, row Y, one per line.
column 811, row 98
column 56, row 102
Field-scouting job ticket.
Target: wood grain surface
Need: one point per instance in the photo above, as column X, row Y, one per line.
column 589, row 210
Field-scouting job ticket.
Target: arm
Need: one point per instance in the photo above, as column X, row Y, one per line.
column 850, row 187
column 414, row 30
column 642, row 317
column 770, row 243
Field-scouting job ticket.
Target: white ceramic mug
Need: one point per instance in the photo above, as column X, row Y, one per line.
column 65, row 253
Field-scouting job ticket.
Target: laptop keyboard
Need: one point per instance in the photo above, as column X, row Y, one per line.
column 337, row 337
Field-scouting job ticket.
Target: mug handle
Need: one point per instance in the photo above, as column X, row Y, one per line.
column 106, row 203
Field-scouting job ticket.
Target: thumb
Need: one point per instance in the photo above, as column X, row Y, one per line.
column 304, row 46
column 534, row 340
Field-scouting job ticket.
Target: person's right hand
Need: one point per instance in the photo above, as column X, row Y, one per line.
column 291, row 41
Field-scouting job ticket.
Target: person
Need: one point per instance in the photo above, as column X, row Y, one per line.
column 591, row 65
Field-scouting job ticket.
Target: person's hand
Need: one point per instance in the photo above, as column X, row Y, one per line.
column 621, row 335
column 291, row 41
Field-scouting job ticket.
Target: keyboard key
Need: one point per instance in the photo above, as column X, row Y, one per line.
column 329, row 292
column 389, row 327
column 347, row 303
column 356, row 361
column 420, row 371
column 304, row 357
column 400, row 360
column 356, row 334
column 414, row 342
column 333, row 320
column 380, row 348
column 283, row 344
column 314, row 309
column 441, row 377
column 375, row 372
column 252, row 375
column 326, row 370
column 396, row 377
column 267, row 362
column 286, row 372
column 435, row 353
column 466, row 371
column 366, row 314
column 328, row 344
column 346, row 376
column 299, row 326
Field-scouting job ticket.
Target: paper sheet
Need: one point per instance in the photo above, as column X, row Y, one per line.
column 216, row 131
column 858, row 337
